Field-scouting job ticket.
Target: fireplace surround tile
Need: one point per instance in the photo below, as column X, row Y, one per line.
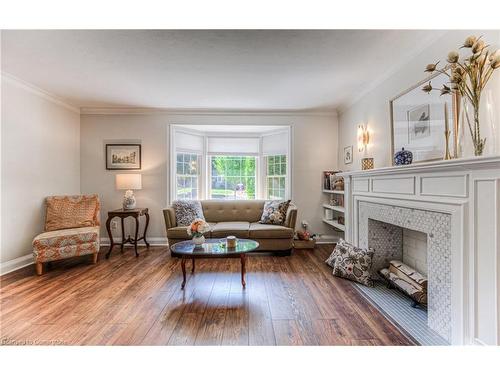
column 437, row 226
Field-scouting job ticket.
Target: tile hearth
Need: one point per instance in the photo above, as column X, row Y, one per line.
column 397, row 306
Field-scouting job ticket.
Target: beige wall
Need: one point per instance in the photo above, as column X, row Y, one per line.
column 40, row 157
column 314, row 138
column 373, row 107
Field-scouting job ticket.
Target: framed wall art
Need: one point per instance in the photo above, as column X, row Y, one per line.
column 348, row 155
column 123, row 156
column 418, row 120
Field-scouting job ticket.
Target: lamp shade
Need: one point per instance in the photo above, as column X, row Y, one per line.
column 129, row 181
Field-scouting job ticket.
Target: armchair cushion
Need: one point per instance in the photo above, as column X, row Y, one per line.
column 65, row 243
column 64, row 212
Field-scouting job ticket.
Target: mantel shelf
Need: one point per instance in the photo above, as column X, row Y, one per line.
column 481, row 162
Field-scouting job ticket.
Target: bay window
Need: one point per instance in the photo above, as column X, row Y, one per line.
column 226, row 165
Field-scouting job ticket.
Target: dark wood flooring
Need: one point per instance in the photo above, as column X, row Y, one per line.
column 126, row 300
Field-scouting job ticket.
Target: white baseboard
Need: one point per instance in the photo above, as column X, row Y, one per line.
column 15, row 264
column 153, row 241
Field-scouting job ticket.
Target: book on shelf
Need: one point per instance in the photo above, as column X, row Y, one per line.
column 329, row 179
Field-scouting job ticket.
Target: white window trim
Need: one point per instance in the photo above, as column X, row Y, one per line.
column 204, row 175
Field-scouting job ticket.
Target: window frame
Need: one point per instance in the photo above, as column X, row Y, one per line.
column 197, row 175
column 268, row 176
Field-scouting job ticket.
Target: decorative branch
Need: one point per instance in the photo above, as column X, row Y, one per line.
column 468, row 77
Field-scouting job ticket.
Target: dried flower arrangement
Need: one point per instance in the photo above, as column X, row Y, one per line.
column 468, row 77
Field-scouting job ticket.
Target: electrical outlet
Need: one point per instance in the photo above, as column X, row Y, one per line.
column 114, row 225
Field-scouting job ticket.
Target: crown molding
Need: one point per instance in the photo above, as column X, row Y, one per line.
column 200, row 112
column 7, row 77
column 384, row 77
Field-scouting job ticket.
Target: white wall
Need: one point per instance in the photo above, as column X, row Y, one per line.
column 40, row 157
column 373, row 107
column 314, row 138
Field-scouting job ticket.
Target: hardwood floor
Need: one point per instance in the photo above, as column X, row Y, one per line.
column 138, row 301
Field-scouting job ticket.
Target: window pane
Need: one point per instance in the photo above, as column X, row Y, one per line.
column 233, row 177
column 187, row 176
column 276, row 182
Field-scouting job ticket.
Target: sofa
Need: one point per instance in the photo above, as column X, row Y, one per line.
column 71, row 229
column 239, row 218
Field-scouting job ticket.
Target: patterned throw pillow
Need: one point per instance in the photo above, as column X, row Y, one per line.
column 332, row 258
column 186, row 211
column 274, row 212
column 353, row 263
column 71, row 211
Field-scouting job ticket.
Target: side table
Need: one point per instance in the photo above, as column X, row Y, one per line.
column 122, row 214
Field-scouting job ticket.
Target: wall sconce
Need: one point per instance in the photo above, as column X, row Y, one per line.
column 363, row 137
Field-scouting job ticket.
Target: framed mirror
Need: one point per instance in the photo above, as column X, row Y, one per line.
column 418, row 120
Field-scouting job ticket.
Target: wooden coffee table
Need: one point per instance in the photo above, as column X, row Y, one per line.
column 213, row 248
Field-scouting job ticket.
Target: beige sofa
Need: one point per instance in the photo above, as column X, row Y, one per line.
column 239, row 218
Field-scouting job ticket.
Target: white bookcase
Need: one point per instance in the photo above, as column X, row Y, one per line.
column 332, row 211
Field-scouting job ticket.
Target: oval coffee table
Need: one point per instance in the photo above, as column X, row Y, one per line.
column 213, row 248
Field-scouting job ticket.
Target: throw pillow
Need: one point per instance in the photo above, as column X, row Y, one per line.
column 353, row 263
column 186, row 211
column 72, row 211
column 274, row 212
column 331, row 259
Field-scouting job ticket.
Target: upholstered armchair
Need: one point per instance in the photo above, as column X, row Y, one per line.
column 71, row 229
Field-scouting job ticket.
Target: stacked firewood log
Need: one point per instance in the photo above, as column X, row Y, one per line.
column 406, row 279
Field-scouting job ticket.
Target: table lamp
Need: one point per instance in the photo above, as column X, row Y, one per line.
column 129, row 183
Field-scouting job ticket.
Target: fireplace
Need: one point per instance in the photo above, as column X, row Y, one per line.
column 443, row 219
column 383, row 228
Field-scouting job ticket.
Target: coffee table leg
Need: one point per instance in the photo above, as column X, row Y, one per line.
column 243, row 269
column 192, row 269
column 183, row 266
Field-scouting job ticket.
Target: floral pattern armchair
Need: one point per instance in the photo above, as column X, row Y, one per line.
column 71, row 229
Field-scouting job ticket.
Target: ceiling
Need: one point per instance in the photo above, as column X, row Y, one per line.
column 208, row 69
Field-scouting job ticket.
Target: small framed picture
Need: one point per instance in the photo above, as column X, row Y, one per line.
column 123, row 156
column 348, row 155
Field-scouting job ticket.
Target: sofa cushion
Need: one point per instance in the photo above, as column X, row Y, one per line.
column 230, row 228
column 180, row 233
column 186, row 211
column 72, row 211
column 274, row 212
column 258, row 230
column 216, row 210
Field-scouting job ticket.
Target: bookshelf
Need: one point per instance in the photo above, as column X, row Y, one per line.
column 333, row 206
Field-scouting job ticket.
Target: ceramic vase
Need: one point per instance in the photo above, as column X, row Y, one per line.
column 199, row 240
column 403, row 157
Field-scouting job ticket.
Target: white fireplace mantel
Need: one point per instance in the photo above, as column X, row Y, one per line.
column 469, row 191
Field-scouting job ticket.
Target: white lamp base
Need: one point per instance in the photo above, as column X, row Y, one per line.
column 129, row 200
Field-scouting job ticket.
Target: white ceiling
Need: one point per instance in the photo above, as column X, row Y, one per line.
column 200, row 69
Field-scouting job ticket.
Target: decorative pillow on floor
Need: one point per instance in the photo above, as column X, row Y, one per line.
column 187, row 211
column 332, row 258
column 274, row 212
column 353, row 263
